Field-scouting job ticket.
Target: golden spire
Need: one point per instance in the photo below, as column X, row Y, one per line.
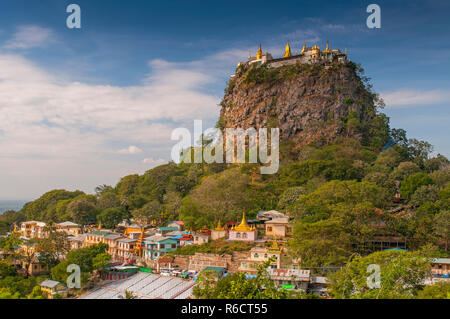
column 219, row 226
column 243, row 226
column 274, row 247
column 259, row 53
column 99, row 226
column 287, row 51
column 327, row 49
column 304, row 48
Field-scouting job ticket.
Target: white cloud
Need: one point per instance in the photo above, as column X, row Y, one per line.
column 30, row 36
column 152, row 162
column 410, row 97
column 130, row 150
column 52, row 128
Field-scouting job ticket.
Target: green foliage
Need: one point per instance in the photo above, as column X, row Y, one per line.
column 44, row 208
column 440, row 290
column 6, row 270
column 401, row 273
column 89, row 259
column 15, row 287
column 220, row 196
column 413, row 182
column 110, row 217
column 237, row 286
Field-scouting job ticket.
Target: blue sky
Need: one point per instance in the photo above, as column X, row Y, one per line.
column 84, row 107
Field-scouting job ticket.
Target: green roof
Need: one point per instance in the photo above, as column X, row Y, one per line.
column 287, row 287
column 168, row 228
column 395, row 249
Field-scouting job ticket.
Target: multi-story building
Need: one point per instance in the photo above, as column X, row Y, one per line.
column 33, row 229
column 278, row 227
column 125, row 249
column 158, row 245
column 69, row 228
column 440, row 269
column 260, row 255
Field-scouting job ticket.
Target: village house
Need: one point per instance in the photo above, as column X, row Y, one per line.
column 269, row 215
column 278, row 227
column 125, row 249
column 33, row 229
column 202, row 236
column 52, row 288
column 77, row 242
column 297, row 279
column 185, row 240
column 259, row 255
column 158, row 245
column 69, row 228
column 176, row 223
column 440, row 269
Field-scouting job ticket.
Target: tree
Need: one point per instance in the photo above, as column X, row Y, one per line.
column 440, row 290
column 419, row 150
column 401, row 275
column 404, row 169
column 238, row 286
column 82, row 210
column 10, row 244
column 52, row 248
column 413, row 182
column 101, row 261
column 425, row 193
column 322, row 243
column 442, row 226
column 6, row 270
column 149, row 212
column 110, row 217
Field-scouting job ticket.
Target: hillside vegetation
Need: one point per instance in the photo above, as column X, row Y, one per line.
column 338, row 188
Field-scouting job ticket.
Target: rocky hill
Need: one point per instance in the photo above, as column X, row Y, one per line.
column 309, row 103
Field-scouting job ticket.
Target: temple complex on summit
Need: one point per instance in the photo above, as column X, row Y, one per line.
column 306, row 56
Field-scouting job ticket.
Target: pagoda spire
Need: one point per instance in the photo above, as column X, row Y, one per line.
column 259, row 53
column 287, row 51
column 327, row 49
column 304, row 48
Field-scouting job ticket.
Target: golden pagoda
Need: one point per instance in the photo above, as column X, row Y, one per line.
column 243, row 226
column 274, row 248
column 139, row 248
column 327, row 50
column 287, row 51
column 219, row 227
column 259, row 53
column 303, row 49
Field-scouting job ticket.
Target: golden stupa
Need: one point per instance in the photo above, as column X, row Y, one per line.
column 287, row 51
column 243, row 226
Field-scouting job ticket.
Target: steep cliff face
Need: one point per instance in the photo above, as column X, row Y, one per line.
column 309, row 103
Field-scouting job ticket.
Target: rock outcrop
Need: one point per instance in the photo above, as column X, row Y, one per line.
column 309, row 103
